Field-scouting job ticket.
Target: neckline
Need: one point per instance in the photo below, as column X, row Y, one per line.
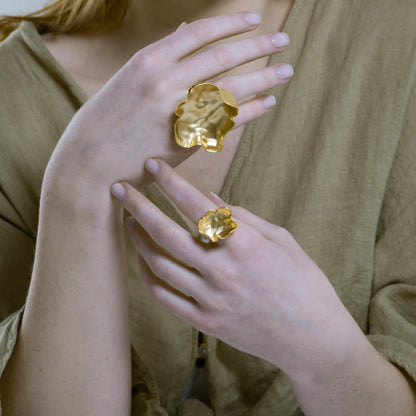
column 34, row 41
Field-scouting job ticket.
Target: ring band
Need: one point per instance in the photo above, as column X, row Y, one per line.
column 205, row 117
column 216, row 224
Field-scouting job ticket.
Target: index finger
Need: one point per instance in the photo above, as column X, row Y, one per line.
column 202, row 32
column 190, row 201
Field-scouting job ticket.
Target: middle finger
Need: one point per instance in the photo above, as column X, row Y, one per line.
column 190, row 201
column 226, row 56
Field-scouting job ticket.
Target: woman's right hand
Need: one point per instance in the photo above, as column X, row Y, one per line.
column 130, row 118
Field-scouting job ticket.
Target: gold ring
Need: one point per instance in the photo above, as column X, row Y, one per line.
column 205, row 117
column 216, row 224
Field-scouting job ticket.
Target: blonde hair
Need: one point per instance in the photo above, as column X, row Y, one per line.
column 66, row 16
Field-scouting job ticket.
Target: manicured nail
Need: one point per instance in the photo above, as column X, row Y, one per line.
column 151, row 166
column 253, row 18
column 181, row 25
column 285, row 71
column 117, row 189
column 217, row 199
column 280, row 39
column 130, row 223
column 269, row 101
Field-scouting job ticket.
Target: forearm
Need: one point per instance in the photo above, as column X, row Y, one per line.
column 73, row 350
column 368, row 385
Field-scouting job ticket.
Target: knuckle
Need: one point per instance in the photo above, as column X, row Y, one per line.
column 224, row 278
column 283, row 235
column 158, row 266
column 222, row 56
column 153, row 77
column 162, row 85
column 248, row 111
column 196, row 206
column 143, row 60
column 229, row 84
column 244, row 246
column 131, row 203
column 208, row 324
column 261, row 45
column 238, row 211
column 158, row 294
column 200, row 30
column 270, row 77
column 167, row 236
column 144, row 64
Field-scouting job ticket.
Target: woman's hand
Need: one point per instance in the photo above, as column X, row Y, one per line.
column 257, row 290
column 130, row 118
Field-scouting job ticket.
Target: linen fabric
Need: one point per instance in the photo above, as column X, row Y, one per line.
column 333, row 162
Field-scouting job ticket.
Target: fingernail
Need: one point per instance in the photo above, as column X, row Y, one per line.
column 285, row 71
column 269, row 101
column 253, row 18
column 216, row 198
column 280, row 39
column 181, row 25
column 117, row 189
column 130, row 223
column 151, row 166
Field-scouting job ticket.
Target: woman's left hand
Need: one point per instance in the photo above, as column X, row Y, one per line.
column 257, row 290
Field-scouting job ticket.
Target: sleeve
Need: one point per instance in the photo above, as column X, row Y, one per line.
column 17, row 248
column 145, row 397
column 8, row 336
column 16, row 259
column 392, row 313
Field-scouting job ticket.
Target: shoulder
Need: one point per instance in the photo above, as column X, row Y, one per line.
column 37, row 99
column 21, row 79
column 36, row 105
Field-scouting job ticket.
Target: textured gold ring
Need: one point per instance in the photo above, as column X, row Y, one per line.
column 216, row 224
column 205, row 117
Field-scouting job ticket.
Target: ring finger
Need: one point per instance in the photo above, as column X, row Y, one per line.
column 242, row 86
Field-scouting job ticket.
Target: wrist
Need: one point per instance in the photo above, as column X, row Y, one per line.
column 76, row 194
column 346, row 356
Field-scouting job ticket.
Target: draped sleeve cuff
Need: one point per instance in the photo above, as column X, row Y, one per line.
column 398, row 352
column 8, row 336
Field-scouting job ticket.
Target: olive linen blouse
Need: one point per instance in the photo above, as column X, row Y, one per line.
column 333, row 162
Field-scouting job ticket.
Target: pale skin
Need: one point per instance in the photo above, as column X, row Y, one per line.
column 73, row 350
column 68, row 365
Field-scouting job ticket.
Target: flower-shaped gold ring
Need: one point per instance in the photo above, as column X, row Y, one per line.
column 205, row 117
column 216, row 224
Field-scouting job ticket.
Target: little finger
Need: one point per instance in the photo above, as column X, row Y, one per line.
column 178, row 275
column 172, row 300
column 253, row 109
